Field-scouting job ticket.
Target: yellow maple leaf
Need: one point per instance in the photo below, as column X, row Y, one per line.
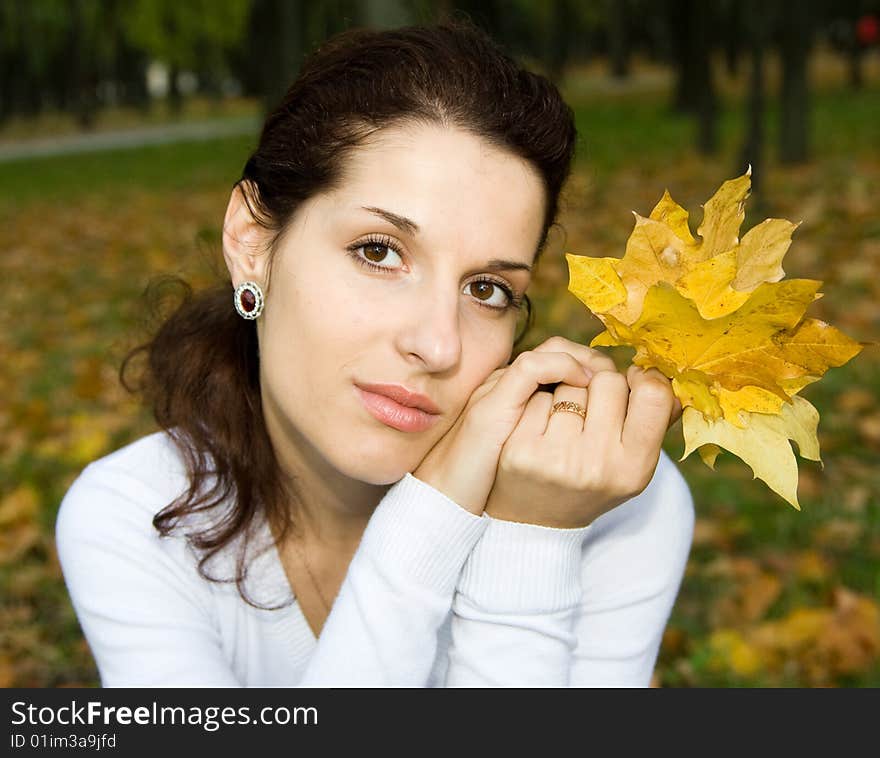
column 715, row 314
column 717, row 267
column 762, row 442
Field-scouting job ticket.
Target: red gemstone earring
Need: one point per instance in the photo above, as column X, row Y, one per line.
column 248, row 300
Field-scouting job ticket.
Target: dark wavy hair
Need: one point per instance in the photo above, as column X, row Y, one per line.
column 200, row 372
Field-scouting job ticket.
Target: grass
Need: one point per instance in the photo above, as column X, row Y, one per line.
column 178, row 167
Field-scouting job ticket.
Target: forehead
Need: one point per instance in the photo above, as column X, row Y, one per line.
column 460, row 190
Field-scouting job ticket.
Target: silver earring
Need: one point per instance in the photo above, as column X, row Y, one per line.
column 248, row 300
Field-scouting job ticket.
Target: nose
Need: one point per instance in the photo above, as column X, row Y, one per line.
column 430, row 332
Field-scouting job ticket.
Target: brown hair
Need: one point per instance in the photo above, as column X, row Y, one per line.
column 201, row 375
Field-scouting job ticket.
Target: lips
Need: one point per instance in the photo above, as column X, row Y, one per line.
column 398, row 408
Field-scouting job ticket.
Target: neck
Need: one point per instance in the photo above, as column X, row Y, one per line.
column 332, row 509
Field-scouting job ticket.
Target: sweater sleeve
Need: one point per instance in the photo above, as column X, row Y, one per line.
column 514, row 611
column 383, row 627
column 634, row 563
column 537, row 606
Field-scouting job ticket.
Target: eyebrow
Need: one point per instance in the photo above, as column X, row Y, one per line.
column 411, row 227
column 401, row 222
column 497, row 264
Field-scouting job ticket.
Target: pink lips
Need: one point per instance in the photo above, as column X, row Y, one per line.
column 404, row 418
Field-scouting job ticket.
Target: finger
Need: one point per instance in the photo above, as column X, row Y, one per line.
column 533, row 422
column 595, row 360
column 504, row 404
column 675, row 413
column 484, row 389
column 606, row 407
column 649, row 411
column 563, row 421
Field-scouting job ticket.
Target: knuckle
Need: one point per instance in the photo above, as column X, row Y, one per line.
column 508, row 463
column 515, row 460
column 611, row 378
column 556, row 343
column 552, row 464
column 525, row 361
column 655, row 393
column 590, row 477
column 601, row 361
column 496, row 375
column 637, row 482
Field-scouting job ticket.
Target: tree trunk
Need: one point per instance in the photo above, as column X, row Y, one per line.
column 707, row 100
column 443, row 9
column 679, row 19
column 283, row 34
column 618, row 48
column 732, row 31
column 175, row 98
column 556, row 55
column 856, row 71
column 752, row 152
column 795, row 43
column 385, row 14
column 131, row 68
column 82, row 70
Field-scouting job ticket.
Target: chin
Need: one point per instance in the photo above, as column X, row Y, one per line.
column 378, row 474
column 379, row 464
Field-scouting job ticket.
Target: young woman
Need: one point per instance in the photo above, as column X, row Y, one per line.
column 354, row 485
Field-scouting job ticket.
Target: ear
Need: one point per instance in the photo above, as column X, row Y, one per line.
column 244, row 240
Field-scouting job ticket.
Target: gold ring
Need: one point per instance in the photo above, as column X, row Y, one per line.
column 572, row 407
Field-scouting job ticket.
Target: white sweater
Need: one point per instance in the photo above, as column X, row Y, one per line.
column 434, row 595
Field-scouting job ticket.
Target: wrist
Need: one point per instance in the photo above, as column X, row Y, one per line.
column 548, row 521
column 457, row 488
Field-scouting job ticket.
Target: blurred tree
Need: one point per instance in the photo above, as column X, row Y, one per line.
column 752, row 151
column 281, row 33
column 734, row 16
column 851, row 27
column 796, row 24
column 494, row 16
column 33, row 37
column 194, row 35
column 126, row 69
column 278, row 36
column 441, row 9
column 690, row 25
column 617, row 27
column 81, row 68
column 840, row 33
column 386, row 14
column 558, row 38
column 867, row 33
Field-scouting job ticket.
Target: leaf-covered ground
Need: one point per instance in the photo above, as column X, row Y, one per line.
column 771, row 597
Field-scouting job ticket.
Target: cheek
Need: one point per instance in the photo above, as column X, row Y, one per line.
column 480, row 359
column 311, row 316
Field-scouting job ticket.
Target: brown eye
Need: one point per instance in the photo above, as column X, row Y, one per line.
column 375, row 252
column 482, row 290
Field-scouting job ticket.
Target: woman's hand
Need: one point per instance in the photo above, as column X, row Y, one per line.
column 464, row 462
column 562, row 471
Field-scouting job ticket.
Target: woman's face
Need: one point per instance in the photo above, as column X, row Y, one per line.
column 397, row 278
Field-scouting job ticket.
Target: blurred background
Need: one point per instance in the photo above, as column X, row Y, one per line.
column 124, row 123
